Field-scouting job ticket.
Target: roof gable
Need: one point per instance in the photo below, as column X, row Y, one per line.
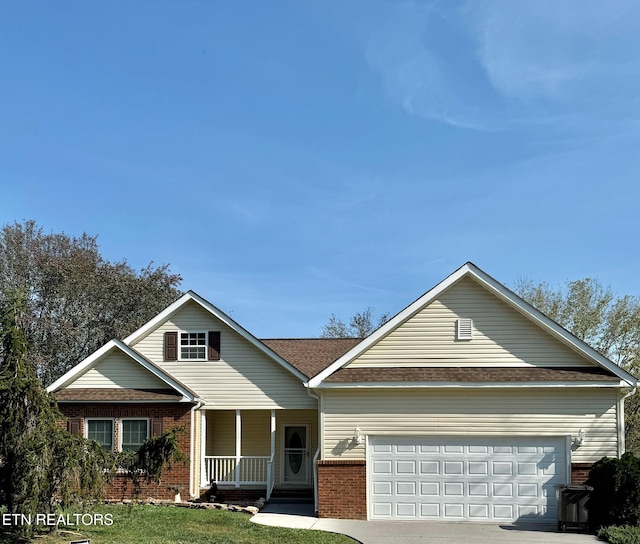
column 193, row 298
column 100, row 357
column 564, row 340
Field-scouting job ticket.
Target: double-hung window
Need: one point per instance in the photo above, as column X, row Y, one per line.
column 101, row 430
column 134, row 433
column 130, row 432
column 193, row 346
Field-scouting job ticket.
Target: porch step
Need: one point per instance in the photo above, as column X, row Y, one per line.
column 282, row 496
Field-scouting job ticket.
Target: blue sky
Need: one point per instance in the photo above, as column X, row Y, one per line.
column 297, row 159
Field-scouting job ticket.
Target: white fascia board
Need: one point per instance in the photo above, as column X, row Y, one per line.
column 219, row 314
column 97, row 356
column 471, row 270
column 470, row 385
column 390, row 325
column 560, row 333
column 81, row 367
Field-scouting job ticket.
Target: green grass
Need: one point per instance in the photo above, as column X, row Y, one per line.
column 620, row 535
column 168, row 525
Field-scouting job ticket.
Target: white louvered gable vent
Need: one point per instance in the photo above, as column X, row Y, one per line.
column 464, row 329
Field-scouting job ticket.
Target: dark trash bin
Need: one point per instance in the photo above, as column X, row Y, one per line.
column 572, row 507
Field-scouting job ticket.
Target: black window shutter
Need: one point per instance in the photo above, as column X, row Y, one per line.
column 156, row 426
column 171, row 346
column 214, row 346
column 74, row 425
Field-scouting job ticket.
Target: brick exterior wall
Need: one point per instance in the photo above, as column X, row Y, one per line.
column 342, row 489
column 580, row 472
column 173, row 415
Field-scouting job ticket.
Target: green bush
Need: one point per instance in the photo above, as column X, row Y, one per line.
column 616, row 492
column 620, row 535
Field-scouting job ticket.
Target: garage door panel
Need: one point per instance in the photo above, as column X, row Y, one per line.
column 406, row 467
column 503, row 490
column 382, row 488
column 429, row 467
column 502, row 468
column 453, row 467
column 479, row 512
column 382, row 509
column 474, row 478
column 405, row 488
column 430, row 489
column 480, row 489
column 406, row 509
column 382, row 467
column 453, row 489
column 455, row 511
column 503, row 512
column 430, row 510
column 478, row 468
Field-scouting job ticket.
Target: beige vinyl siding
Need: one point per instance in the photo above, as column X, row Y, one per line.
column 467, row 412
column 256, row 432
column 221, row 432
column 244, row 378
column 117, row 370
column 501, row 336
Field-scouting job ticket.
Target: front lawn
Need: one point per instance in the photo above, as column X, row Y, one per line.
column 169, row 525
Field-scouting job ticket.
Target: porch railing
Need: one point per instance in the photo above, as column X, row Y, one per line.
column 251, row 470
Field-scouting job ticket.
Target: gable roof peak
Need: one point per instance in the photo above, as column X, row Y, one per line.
column 135, row 356
column 192, row 296
column 469, row 269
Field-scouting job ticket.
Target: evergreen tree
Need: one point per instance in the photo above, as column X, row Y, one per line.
column 41, row 464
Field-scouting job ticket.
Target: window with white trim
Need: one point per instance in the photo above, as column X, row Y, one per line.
column 130, row 432
column 101, row 430
column 133, row 433
column 193, row 346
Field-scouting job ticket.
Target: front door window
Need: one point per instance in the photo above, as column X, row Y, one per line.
column 296, row 454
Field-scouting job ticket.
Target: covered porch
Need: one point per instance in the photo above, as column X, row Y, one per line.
column 258, row 449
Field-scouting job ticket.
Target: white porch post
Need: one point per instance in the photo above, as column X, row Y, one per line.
column 271, row 474
column 273, row 433
column 238, row 445
column 203, row 450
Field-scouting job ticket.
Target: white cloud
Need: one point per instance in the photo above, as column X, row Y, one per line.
column 550, row 49
column 494, row 64
column 415, row 76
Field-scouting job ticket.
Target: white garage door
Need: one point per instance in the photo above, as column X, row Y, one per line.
column 473, row 478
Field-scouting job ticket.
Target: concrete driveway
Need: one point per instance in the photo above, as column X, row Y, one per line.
column 413, row 532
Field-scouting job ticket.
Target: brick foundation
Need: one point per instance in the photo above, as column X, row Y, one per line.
column 173, row 415
column 580, row 472
column 342, row 489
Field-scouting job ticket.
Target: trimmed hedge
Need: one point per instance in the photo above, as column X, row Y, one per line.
column 620, row 535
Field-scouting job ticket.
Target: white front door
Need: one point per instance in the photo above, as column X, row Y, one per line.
column 296, row 455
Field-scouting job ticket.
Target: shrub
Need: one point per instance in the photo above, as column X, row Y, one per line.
column 620, row 535
column 616, row 492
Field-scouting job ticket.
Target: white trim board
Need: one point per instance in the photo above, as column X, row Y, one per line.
column 503, row 293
